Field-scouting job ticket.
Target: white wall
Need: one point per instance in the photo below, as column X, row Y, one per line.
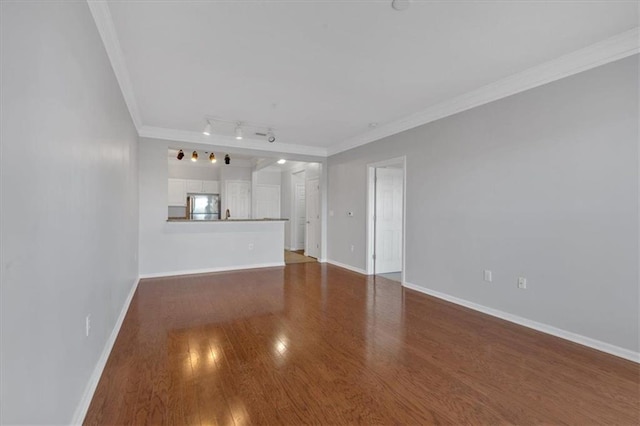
column 268, row 178
column 169, row 248
column 188, row 170
column 69, row 197
column 543, row 184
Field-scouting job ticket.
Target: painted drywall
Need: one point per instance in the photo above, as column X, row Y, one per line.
column 543, row 185
column 167, row 248
column 207, row 171
column 268, row 178
column 69, row 212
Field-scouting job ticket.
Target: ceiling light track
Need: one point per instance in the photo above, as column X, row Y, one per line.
column 239, row 128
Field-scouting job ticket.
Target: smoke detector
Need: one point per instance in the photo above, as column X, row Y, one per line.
column 400, row 4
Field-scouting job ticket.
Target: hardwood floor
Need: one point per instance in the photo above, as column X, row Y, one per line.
column 313, row 343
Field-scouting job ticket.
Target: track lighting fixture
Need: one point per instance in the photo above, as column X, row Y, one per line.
column 212, row 158
column 227, row 159
column 239, row 127
column 180, row 155
column 207, row 129
column 194, row 156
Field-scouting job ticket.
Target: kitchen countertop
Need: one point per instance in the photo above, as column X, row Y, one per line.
column 179, row 219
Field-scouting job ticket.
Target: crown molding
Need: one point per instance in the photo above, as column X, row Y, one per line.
column 102, row 17
column 604, row 52
column 601, row 53
column 230, row 142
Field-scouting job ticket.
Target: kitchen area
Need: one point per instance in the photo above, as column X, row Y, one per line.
column 238, row 212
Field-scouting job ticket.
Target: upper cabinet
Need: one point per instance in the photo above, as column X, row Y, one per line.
column 210, row 187
column 179, row 188
column 177, row 192
column 203, row 186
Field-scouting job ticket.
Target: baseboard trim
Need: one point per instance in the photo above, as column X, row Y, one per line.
column 209, row 270
column 87, row 396
column 345, row 266
column 544, row 328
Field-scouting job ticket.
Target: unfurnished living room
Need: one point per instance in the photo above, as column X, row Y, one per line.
column 319, row 212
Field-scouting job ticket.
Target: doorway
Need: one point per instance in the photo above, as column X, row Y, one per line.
column 312, row 193
column 299, row 216
column 386, row 219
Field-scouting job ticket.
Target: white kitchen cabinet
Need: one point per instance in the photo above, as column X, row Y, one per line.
column 177, row 192
column 194, row 186
column 202, row 186
column 210, row 187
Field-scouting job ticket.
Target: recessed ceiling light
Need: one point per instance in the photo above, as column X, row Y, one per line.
column 282, row 161
column 207, row 129
column 238, row 131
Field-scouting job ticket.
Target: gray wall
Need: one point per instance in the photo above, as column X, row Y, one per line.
column 543, row 184
column 69, row 207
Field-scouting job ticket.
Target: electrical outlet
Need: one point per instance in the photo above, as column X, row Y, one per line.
column 250, row 246
column 352, row 247
column 87, row 324
column 488, row 276
column 522, row 283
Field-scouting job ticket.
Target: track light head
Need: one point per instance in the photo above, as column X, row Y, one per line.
column 194, row 156
column 212, row 157
column 180, row 155
column 207, row 129
column 271, row 138
column 227, row 159
column 239, row 131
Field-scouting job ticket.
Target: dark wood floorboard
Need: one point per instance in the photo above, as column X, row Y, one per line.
column 313, row 343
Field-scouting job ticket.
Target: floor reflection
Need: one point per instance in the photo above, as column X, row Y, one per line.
column 312, row 343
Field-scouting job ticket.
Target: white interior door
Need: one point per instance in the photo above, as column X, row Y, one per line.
column 312, row 194
column 267, row 201
column 388, row 220
column 300, row 216
column 238, row 199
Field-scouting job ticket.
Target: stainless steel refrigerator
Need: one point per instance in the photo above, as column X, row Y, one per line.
column 203, row 206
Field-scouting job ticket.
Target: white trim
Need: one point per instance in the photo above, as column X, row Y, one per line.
column 345, row 266
column 209, row 270
column 90, row 388
column 604, row 52
column 102, row 17
column 228, row 141
column 554, row 331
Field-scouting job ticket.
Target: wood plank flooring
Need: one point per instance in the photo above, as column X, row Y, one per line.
column 313, row 343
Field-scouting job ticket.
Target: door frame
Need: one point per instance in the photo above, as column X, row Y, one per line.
column 318, row 233
column 293, row 234
column 371, row 208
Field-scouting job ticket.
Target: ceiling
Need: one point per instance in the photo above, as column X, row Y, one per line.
column 321, row 72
